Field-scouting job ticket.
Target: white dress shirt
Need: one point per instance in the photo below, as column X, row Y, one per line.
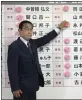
column 24, row 41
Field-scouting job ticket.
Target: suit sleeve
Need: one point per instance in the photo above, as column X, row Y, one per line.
column 12, row 64
column 45, row 39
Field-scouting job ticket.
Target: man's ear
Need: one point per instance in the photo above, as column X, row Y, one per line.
column 19, row 30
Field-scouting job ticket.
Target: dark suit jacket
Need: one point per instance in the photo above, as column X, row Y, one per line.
column 23, row 67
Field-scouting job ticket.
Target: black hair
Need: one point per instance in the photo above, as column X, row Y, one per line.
column 23, row 22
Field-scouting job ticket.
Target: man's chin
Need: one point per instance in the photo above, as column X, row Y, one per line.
column 28, row 38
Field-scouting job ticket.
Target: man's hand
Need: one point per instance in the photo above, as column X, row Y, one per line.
column 17, row 93
column 63, row 24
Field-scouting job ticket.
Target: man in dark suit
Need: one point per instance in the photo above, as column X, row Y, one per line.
column 24, row 70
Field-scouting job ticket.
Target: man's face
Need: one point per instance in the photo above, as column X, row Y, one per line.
column 26, row 31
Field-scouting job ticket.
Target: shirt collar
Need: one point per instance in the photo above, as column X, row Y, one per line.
column 24, row 40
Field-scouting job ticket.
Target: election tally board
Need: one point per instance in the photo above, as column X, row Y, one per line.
column 61, row 58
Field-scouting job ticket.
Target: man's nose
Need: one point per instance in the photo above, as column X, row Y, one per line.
column 29, row 32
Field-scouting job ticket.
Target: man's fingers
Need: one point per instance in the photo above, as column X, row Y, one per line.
column 21, row 92
column 64, row 24
column 17, row 94
column 67, row 24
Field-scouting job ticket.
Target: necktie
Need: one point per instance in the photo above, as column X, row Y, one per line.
column 28, row 44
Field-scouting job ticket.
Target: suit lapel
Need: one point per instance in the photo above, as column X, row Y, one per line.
column 22, row 45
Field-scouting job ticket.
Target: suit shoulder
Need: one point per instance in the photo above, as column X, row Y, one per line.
column 13, row 44
column 32, row 40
